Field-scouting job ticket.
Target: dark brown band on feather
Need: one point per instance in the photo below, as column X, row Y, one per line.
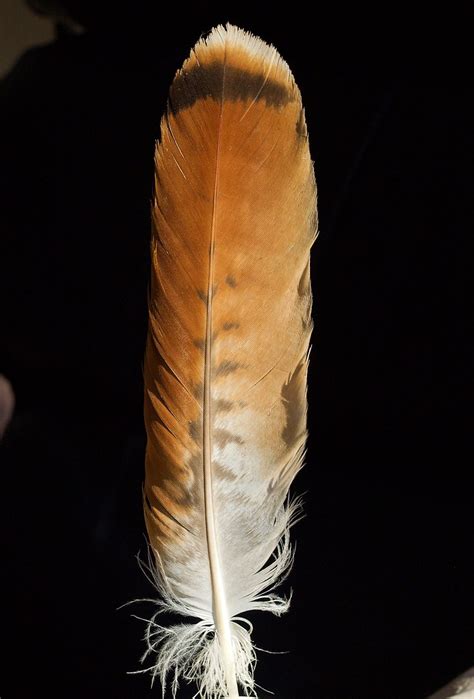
column 301, row 129
column 209, row 80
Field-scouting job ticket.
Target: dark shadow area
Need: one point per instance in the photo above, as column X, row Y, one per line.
column 383, row 581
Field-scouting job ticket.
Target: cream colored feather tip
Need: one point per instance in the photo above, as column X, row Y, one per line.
column 234, row 218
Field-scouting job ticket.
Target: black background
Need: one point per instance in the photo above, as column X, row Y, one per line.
column 383, row 604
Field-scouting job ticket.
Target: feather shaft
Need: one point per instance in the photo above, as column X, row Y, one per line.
column 219, row 601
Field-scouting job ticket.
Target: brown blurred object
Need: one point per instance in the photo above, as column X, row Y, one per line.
column 20, row 29
column 7, row 404
column 462, row 687
column 58, row 11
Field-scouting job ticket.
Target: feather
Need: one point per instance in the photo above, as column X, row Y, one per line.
column 234, row 217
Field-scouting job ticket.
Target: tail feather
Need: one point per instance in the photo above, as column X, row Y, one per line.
column 234, row 218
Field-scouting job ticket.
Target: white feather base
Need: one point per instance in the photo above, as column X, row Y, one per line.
column 191, row 651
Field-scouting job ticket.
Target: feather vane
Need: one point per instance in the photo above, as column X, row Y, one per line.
column 234, row 217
